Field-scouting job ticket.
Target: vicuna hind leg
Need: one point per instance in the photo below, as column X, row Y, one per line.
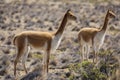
column 24, row 57
column 20, row 51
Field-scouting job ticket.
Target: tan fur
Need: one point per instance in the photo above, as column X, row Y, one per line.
column 35, row 38
column 87, row 33
column 40, row 40
column 93, row 37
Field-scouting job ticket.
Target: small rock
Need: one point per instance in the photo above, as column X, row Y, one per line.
column 50, row 29
column 75, row 29
column 68, row 74
column 54, row 63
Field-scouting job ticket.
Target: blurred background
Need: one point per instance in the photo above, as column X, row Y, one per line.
column 46, row 15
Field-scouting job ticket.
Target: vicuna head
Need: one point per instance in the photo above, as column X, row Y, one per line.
column 111, row 14
column 70, row 15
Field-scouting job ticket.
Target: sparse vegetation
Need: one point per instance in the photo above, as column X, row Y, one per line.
column 90, row 71
column 21, row 15
column 39, row 56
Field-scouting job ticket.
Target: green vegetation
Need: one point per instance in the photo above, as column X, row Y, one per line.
column 39, row 56
column 100, row 71
column 52, row 57
column 105, row 53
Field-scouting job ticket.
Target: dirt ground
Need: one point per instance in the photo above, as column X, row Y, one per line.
column 46, row 15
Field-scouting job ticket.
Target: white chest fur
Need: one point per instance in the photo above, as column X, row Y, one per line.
column 56, row 42
column 99, row 38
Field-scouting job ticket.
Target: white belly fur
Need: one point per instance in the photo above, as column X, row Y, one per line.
column 39, row 49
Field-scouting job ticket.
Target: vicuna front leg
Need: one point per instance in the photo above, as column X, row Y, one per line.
column 46, row 59
column 87, row 51
column 82, row 52
column 45, row 63
column 95, row 50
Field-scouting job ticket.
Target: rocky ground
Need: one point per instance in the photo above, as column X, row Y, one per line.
column 65, row 64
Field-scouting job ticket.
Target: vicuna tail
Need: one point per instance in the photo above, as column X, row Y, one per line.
column 14, row 40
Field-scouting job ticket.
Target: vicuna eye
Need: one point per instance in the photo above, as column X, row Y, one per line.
column 71, row 15
column 110, row 15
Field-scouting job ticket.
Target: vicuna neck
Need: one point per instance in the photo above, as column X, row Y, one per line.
column 104, row 28
column 62, row 25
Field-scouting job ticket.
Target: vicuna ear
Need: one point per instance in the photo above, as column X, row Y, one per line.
column 68, row 10
column 110, row 10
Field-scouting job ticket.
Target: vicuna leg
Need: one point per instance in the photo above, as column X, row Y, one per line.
column 20, row 45
column 46, row 60
column 25, row 57
column 45, row 65
column 82, row 51
column 97, row 51
column 20, row 51
column 94, row 53
column 87, row 52
column 44, row 73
